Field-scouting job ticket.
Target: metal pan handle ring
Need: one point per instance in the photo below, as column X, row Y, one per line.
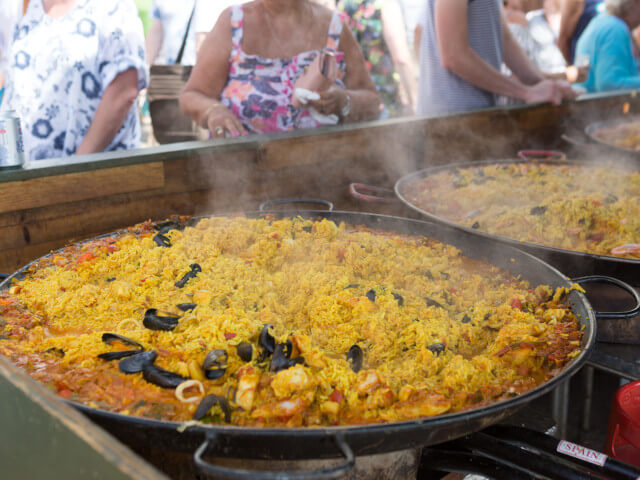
column 227, row 472
column 554, row 155
column 576, row 142
column 373, row 193
column 284, row 201
column 619, row 283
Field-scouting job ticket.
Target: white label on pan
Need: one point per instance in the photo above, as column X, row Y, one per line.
column 583, row 453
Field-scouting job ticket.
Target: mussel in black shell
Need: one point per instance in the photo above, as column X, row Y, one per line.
column 398, row 298
column 161, row 377
column 185, row 307
column 162, row 240
column 153, row 321
column 432, row 303
column 215, row 364
column 538, row 210
column 113, row 337
column 138, row 362
column 195, row 270
column 208, row 402
column 355, row 356
column 437, row 348
column 167, row 225
column 281, row 359
column 245, row 351
column 266, row 340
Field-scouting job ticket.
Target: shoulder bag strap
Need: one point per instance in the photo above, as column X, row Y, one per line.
column 25, row 5
column 186, row 35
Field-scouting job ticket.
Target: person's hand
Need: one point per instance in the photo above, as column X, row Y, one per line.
column 566, row 90
column 332, row 100
column 577, row 74
column 220, row 121
column 553, row 91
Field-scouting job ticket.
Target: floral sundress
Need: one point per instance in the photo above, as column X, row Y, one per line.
column 365, row 22
column 258, row 90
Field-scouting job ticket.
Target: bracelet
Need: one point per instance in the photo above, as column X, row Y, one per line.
column 208, row 111
column 347, row 107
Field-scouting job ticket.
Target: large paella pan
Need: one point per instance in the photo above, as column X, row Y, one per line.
column 188, row 323
column 580, row 218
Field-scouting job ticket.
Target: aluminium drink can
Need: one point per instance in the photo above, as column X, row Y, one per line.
column 11, row 146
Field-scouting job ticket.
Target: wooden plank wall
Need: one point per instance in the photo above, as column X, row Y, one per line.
column 42, row 214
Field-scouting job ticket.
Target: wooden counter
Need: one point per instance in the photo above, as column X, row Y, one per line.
column 50, row 203
column 41, row 437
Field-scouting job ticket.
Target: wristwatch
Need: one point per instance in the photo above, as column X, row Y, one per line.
column 347, row 107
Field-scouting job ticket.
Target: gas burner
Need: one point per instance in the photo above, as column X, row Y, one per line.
column 517, row 453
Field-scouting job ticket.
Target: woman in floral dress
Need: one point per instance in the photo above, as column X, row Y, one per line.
column 379, row 28
column 244, row 77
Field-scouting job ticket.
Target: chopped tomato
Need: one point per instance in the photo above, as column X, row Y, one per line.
column 516, row 303
column 275, row 236
column 336, row 396
column 229, row 336
column 341, row 253
column 65, row 393
column 454, row 290
column 111, row 248
column 596, row 237
column 85, row 257
column 596, row 203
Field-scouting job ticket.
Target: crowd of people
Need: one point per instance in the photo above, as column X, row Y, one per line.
column 73, row 69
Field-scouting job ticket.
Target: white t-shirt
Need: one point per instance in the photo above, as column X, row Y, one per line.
column 550, row 59
column 174, row 15
column 10, row 13
column 60, row 69
column 208, row 11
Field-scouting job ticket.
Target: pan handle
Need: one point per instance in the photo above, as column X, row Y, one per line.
column 226, row 472
column 619, row 283
column 576, row 142
column 373, row 193
column 4, row 276
column 556, row 155
column 284, row 201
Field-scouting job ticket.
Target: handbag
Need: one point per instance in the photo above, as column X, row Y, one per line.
column 166, row 82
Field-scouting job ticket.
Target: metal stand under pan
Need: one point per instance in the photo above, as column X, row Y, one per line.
column 401, row 465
